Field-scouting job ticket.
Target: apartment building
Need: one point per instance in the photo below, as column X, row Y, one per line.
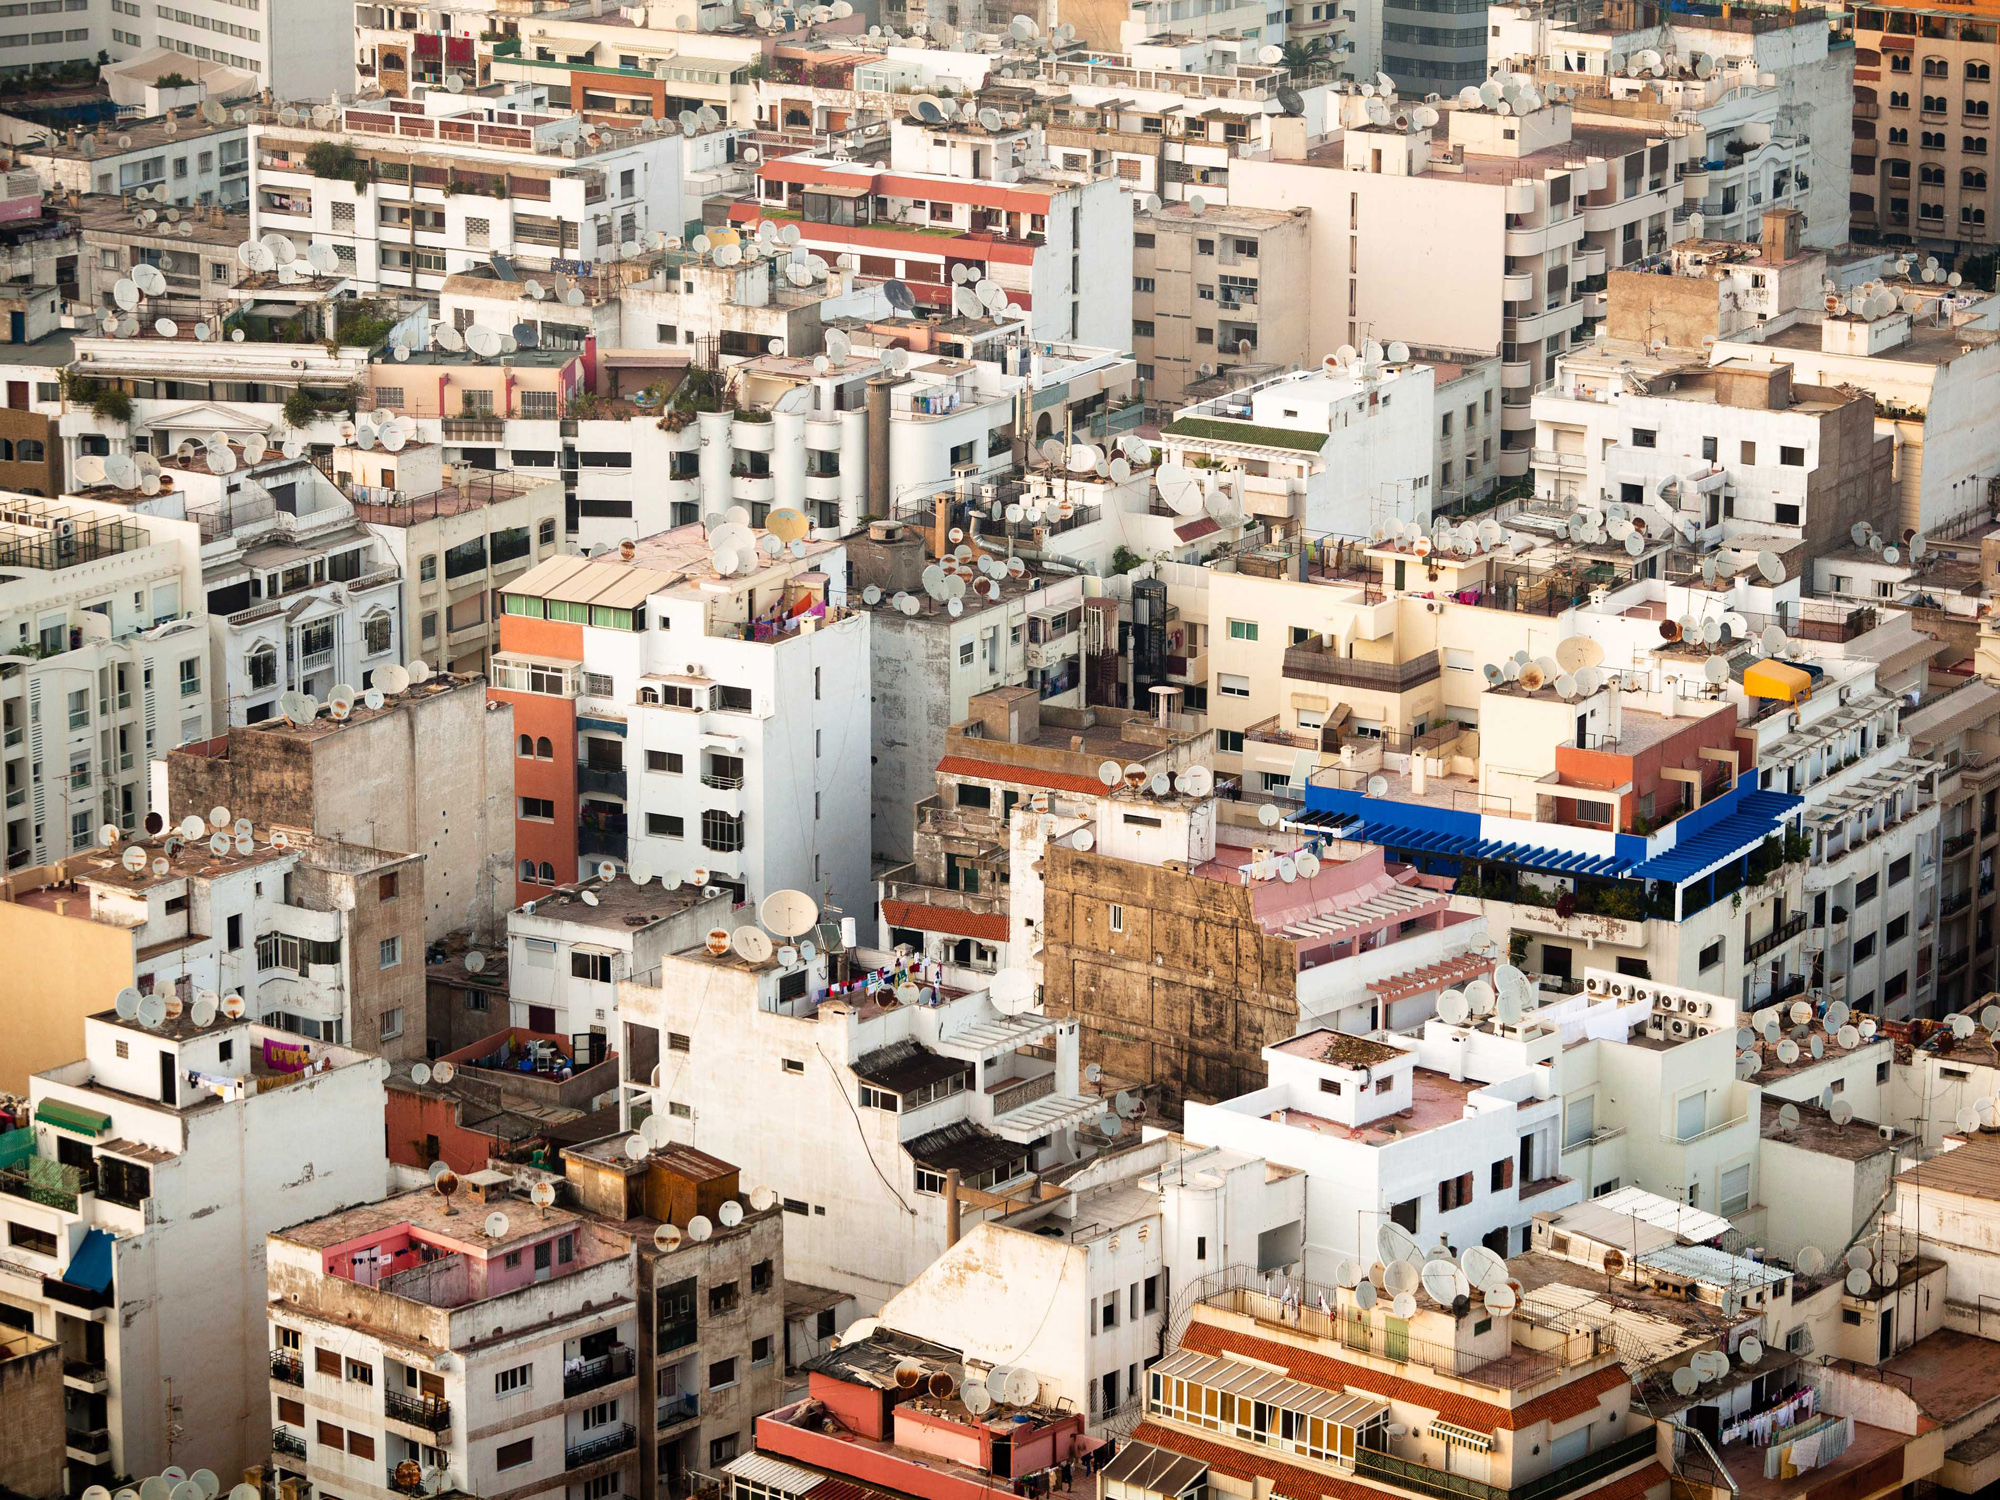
column 1059, row 247
column 455, row 538
column 158, row 1306
column 1489, row 239
column 427, row 187
column 396, row 50
column 430, row 772
column 1215, row 291
column 518, row 1308
column 108, row 663
column 710, row 1357
column 31, row 1373
column 1931, row 74
column 705, row 712
column 1954, row 731
column 1544, row 1400
column 1734, row 445
column 684, row 55
column 196, row 161
column 1767, row 96
column 926, row 669
column 200, row 266
column 312, row 936
column 956, row 1101
column 567, row 957
column 952, row 901
column 1333, row 449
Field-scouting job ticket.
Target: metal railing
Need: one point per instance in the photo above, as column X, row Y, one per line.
column 612, row 1365
column 605, row 1445
column 432, row 1413
column 1424, row 1480
column 1319, row 664
column 287, row 1443
column 674, row 1410
column 607, row 779
column 721, row 783
column 595, row 840
column 288, row 1367
column 1790, row 928
column 1702, row 1135
column 53, row 1184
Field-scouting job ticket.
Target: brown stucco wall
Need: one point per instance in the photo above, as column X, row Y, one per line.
column 31, row 1437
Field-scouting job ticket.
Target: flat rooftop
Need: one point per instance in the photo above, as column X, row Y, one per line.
column 1927, row 344
column 1341, row 1050
column 145, row 135
column 1855, row 1141
column 425, row 1210
column 212, row 225
column 1177, row 217
column 621, row 904
column 324, row 724
column 1436, row 1099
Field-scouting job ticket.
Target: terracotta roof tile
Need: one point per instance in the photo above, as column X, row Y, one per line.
column 971, row 924
column 1558, row 1405
column 994, row 770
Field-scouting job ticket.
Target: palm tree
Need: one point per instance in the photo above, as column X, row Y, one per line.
column 1303, row 57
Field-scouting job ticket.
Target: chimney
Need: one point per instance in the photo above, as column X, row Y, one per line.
column 1617, row 714
column 1780, row 235
column 951, row 1207
column 1417, row 772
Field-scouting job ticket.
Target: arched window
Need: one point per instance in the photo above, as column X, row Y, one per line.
column 1975, row 145
column 800, row 119
column 6, row 451
column 263, row 664
column 548, row 873
column 527, row 751
column 1931, row 172
column 527, row 872
column 544, row 750
column 30, row 451
column 375, row 632
column 1974, row 178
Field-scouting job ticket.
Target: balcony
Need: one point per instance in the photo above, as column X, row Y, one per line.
column 52, row 1184
column 475, row 429
column 675, row 1335
column 92, row 1445
column 1702, row 1135
column 592, row 838
column 1954, row 961
column 1951, row 906
column 591, row 1374
column 289, row 1444
column 1784, row 932
column 1572, row 463
column 1958, row 843
column 1415, row 1478
column 86, row 1375
column 1016, row 1092
column 720, row 782
column 411, row 1481
column 674, row 1410
column 1322, row 664
column 607, row 779
column 288, row 1367
column 431, row 1413
column 603, row 1445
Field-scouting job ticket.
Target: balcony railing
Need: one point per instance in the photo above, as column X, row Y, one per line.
column 604, row 1445
column 95, row 1440
column 1954, row 960
column 1786, row 930
column 674, row 1410
column 591, row 839
column 589, row 1374
column 475, row 429
column 1316, row 664
column 1420, row 1479
column 432, row 1413
column 1951, row 906
column 1958, row 843
column 53, row 1184
column 722, row 783
column 1702, row 1135
column 287, row 1443
column 413, row 1484
column 1020, row 1091
column 288, row 1367
column 677, row 1335
column 608, row 779
column 89, row 1371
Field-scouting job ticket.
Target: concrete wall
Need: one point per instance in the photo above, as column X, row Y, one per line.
column 31, row 1394
column 72, row 967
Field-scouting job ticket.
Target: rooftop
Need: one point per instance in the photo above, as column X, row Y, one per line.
column 1971, row 1169
column 425, row 1210
column 623, row 905
column 1436, row 1099
column 211, row 225
column 1341, row 1050
column 1855, row 1141
column 1926, row 345
column 178, row 128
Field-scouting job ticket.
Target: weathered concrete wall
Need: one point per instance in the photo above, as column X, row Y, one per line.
column 912, row 664
column 31, row 1438
column 1186, row 996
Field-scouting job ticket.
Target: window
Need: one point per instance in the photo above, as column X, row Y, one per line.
column 1864, row 889
column 1864, row 948
column 540, row 809
column 760, row 1350
column 665, row 826
column 1233, row 685
column 793, row 1064
column 1117, row 918
column 27, row 1237
column 190, row 676
column 600, row 1414
column 1898, row 929
column 721, row 1374
column 1243, row 630
column 519, row 1378
column 1645, row 437
column 290, row 1412
column 1793, row 457
column 1142, row 284
column 1229, row 741
column 721, row 1450
column 392, row 1021
column 1736, row 1190
column 874, row 1098
column 1455, row 1192
column 595, row 967
column 927, row 1181
column 330, row 1436
column 326, row 1362
column 667, row 761
column 513, row 1455
column 390, row 953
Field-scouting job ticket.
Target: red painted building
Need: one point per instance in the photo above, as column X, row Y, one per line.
column 1667, row 766
column 537, row 670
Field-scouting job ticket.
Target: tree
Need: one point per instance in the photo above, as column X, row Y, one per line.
column 1303, row 57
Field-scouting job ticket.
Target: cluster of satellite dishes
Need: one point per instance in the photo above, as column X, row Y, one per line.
column 1002, row 1385
column 1124, row 1106
column 1911, row 549
column 1506, row 997
column 380, row 427
column 568, row 296
column 480, row 341
column 1575, row 671
column 786, row 916
column 278, row 252
column 1710, row 1365
column 1367, row 362
column 786, row 17
column 1189, row 492
column 123, row 320
column 161, row 221
column 1514, row 94
column 1906, row 268
column 173, row 1483
column 1451, row 1283
column 1466, row 539
column 1651, row 62
column 1768, row 1028
column 734, row 547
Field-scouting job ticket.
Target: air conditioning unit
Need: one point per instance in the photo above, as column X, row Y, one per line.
column 1592, row 984
column 1678, row 1027
column 1670, row 1002
column 1699, row 1007
column 1617, row 990
column 1640, row 992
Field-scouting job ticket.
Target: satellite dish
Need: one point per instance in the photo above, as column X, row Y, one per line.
column 751, row 944
column 443, row 1072
column 699, row 1228
column 788, row 913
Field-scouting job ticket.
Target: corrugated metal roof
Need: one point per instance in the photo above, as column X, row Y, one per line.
column 1712, row 1267
column 774, row 1474
column 1663, row 1213
column 902, row 1066
column 1145, row 1467
column 583, row 580
column 1241, row 1378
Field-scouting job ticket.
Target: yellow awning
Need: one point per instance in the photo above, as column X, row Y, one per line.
column 1776, row 679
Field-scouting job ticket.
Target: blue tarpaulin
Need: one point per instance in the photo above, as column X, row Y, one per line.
column 90, row 1267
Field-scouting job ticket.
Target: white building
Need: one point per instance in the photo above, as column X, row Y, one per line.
column 120, row 1254
column 107, row 666
column 1329, row 450
column 729, row 703
column 1767, row 104
column 518, row 1311
column 431, row 186
column 194, row 161
column 567, row 957
column 946, row 1091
